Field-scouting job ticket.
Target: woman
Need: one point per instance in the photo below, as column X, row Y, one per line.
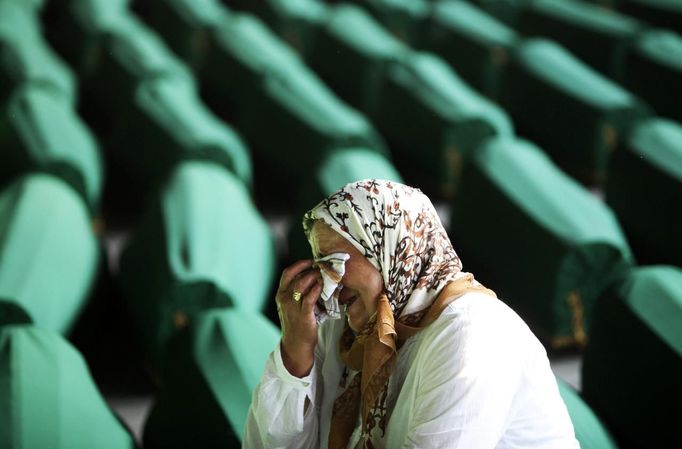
column 425, row 358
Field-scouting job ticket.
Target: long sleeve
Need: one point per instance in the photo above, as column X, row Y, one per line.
column 277, row 417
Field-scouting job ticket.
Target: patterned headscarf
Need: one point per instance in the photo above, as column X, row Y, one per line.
column 398, row 230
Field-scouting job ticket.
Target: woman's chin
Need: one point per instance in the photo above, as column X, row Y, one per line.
column 357, row 316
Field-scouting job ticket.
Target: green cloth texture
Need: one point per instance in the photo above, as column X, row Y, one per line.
column 48, row 251
column 570, row 110
column 259, row 83
column 644, row 189
column 662, row 13
column 202, row 244
column 166, row 123
column 405, row 19
column 296, row 21
column 546, row 244
column 25, row 55
column 476, row 44
column 48, row 398
column 39, row 130
column 589, row 430
column 654, row 71
column 637, row 325
column 186, row 26
column 212, row 368
column 338, row 169
column 599, row 37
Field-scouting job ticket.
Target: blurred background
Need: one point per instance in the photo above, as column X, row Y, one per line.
column 157, row 157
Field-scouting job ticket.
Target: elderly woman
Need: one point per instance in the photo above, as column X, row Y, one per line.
column 426, row 357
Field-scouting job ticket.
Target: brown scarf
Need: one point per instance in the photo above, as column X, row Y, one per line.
column 373, row 353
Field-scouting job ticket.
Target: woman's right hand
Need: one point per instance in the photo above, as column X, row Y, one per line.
column 299, row 327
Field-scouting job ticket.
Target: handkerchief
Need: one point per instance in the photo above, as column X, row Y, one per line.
column 332, row 268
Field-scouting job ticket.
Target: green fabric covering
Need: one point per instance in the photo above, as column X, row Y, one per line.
column 211, row 371
column 260, row 84
column 40, row 130
column 633, row 365
column 406, row 19
column 338, row 169
column 589, row 431
column 598, row 37
column 654, row 69
column 48, row 252
column 644, row 189
column 473, row 42
column 295, row 21
column 34, row 6
column 571, row 111
column 186, row 26
column 48, row 398
column 507, row 11
column 440, row 123
column 26, row 57
column 201, row 245
column 166, row 123
column 662, row 13
column 351, row 54
column 545, row 244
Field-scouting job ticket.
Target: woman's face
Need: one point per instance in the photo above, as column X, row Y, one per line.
column 362, row 283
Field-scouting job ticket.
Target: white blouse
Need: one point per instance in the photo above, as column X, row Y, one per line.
column 476, row 378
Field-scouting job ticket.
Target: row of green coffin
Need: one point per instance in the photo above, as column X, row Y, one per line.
column 214, row 364
column 48, row 252
column 25, row 56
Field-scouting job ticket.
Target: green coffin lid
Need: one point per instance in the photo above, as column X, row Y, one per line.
column 653, row 68
column 662, row 13
column 338, row 169
column 589, row 431
column 211, row 371
column 202, row 245
column 637, row 325
column 440, row 122
column 169, row 124
column 26, row 57
column 48, row 398
column 48, row 252
column 574, row 113
column 649, row 208
column 476, row 44
column 270, row 88
column 404, row 18
column 44, row 132
column 186, row 26
column 597, row 36
column 545, row 244
column 351, row 53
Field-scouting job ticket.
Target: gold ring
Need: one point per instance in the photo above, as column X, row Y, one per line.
column 296, row 295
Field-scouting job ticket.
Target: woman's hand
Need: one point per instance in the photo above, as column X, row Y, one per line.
column 299, row 328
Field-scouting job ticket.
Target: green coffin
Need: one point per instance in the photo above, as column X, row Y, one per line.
column 47, row 397
column 571, row 111
column 338, row 169
column 76, row 29
column 474, row 43
column 25, row 56
column 48, row 252
column 598, row 37
column 167, row 123
column 352, row 53
column 589, row 430
column 662, row 13
column 544, row 243
column 34, row 6
column 186, row 25
column 39, row 130
column 211, row 371
column 201, row 245
column 406, row 19
column 654, row 71
column 644, row 189
column 633, row 365
column 434, row 121
column 260, row 84
column 295, row 21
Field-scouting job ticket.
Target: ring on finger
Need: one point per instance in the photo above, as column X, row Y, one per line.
column 296, row 295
